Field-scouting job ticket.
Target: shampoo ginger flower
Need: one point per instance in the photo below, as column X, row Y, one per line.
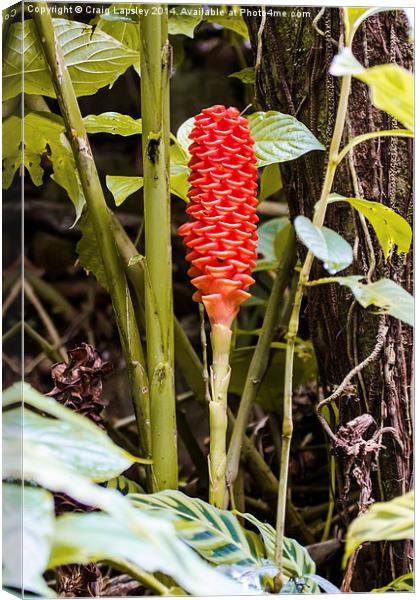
column 221, row 233
column 222, row 240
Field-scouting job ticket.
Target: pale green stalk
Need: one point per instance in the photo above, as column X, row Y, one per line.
column 98, row 213
column 260, row 357
column 318, row 220
column 155, row 72
column 219, row 382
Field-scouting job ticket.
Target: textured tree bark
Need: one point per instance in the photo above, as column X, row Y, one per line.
column 293, row 77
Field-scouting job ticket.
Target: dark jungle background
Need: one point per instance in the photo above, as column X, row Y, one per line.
column 294, row 79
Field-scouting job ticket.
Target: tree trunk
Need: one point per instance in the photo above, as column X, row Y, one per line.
column 293, row 78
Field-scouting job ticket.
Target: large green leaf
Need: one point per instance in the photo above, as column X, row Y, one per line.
column 122, row 186
column 296, row 559
column 392, row 89
column 272, row 236
column 84, row 538
column 215, row 534
column 279, row 137
column 246, row 75
column 270, row 181
column 113, row 122
column 230, row 18
column 94, row 58
column 122, row 25
column 391, row 86
column 83, row 446
column 28, row 525
column 87, row 250
column 387, row 295
column 91, row 453
column 327, row 245
column 405, row 583
column 393, row 520
column 389, row 226
column 184, row 18
column 183, row 133
column 44, row 135
column 179, row 184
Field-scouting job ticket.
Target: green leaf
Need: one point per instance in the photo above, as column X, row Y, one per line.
column 87, row 250
column 405, row 583
column 270, row 181
column 232, row 20
column 89, row 452
column 246, row 75
column 183, row 133
column 215, row 534
column 387, row 295
column 28, row 526
column 179, row 181
column 183, row 19
column 123, row 28
column 121, row 187
column 124, row 485
column 280, row 138
column 124, row 186
column 44, row 135
column 113, row 122
column 83, row 446
column 345, row 63
column 390, row 227
column 270, row 392
column 392, row 90
column 327, row 245
column 391, row 86
column 93, row 537
column 296, row 559
column 270, row 245
column 94, row 59
column 393, row 520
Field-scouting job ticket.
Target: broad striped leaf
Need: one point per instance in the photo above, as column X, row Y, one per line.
column 296, row 559
column 215, row 534
column 124, row 485
column 393, row 520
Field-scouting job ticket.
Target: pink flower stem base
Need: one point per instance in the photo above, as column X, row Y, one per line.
column 219, row 381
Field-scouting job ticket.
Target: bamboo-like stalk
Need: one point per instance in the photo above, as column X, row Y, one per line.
column 219, row 382
column 155, row 73
column 99, row 214
column 318, row 219
column 192, row 369
column 260, row 357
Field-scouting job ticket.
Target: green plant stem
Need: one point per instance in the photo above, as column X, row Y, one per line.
column 318, row 219
column 219, row 382
column 98, row 212
column 48, row 293
column 155, row 72
column 147, row 579
column 192, row 370
column 260, row 357
column 370, row 136
column 45, row 346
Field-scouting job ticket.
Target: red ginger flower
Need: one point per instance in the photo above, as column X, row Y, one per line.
column 221, row 233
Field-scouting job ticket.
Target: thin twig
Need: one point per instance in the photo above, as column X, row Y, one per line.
column 13, row 294
column 380, row 340
column 49, row 325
